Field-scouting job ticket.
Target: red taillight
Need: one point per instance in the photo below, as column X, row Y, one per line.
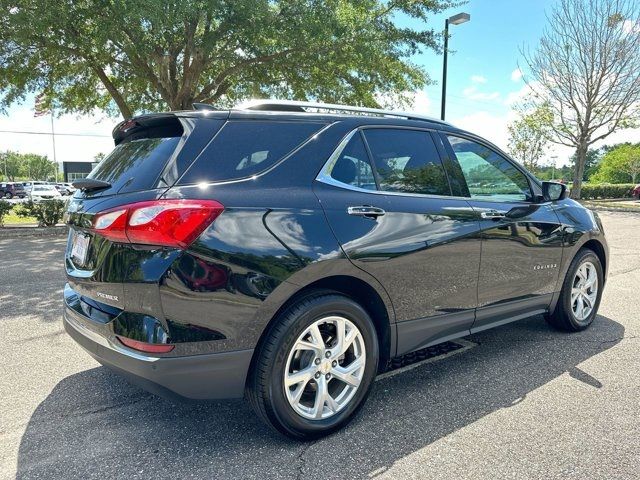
column 170, row 223
column 144, row 346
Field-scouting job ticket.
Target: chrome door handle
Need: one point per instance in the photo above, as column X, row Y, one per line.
column 493, row 214
column 365, row 211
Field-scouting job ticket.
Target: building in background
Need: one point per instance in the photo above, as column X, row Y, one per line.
column 76, row 170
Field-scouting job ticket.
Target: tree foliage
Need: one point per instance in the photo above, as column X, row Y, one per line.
column 14, row 165
column 620, row 164
column 529, row 135
column 144, row 55
column 586, row 67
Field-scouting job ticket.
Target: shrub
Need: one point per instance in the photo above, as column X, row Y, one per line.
column 5, row 207
column 47, row 212
column 606, row 190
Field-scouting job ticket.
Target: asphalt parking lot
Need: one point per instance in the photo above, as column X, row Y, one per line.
column 522, row 401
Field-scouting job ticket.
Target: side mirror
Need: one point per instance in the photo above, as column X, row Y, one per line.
column 553, row 191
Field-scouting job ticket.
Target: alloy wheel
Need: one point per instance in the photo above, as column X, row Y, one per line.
column 584, row 291
column 324, row 368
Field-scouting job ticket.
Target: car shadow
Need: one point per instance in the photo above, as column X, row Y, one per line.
column 95, row 425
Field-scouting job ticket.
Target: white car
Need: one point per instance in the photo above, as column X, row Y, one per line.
column 44, row 192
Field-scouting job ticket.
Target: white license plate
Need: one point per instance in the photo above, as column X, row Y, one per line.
column 79, row 248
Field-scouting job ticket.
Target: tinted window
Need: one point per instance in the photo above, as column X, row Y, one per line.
column 244, row 148
column 352, row 166
column 488, row 174
column 407, row 161
column 135, row 164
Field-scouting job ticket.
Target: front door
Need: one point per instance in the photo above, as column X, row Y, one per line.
column 399, row 222
column 521, row 238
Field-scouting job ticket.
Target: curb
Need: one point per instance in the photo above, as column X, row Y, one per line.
column 17, row 232
column 599, row 208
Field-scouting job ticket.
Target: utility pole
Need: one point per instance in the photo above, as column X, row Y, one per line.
column 53, row 141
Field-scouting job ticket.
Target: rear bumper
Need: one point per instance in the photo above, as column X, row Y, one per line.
column 194, row 377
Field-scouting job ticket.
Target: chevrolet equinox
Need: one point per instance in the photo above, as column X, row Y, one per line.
column 286, row 251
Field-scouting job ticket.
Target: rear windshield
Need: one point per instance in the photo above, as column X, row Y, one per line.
column 246, row 147
column 136, row 164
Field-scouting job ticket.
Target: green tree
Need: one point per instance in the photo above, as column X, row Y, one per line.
column 586, row 67
column 141, row 55
column 621, row 164
column 11, row 165
column 529, row 135
column 37, row 167
column 591, row 161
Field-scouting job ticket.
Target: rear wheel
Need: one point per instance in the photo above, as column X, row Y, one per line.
column 581, row 292
column 315, row 368
column 8, row 195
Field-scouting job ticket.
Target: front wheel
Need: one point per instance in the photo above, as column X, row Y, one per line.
column 315, row 368
column 8, row 195
column 581, row 293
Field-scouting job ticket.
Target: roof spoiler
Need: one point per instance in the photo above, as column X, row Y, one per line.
column 89, row 184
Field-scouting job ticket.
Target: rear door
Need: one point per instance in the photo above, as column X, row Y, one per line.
column 399, row 222
column 521, row 237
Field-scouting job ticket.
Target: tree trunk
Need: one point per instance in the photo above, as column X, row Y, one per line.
column 578, row 173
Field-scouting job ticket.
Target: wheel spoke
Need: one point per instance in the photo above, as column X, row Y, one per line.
column 321, row 394
column 575, row 293
column 301, row 376
column 588, row 301
column 341, row 331
column 304, row 345
column 579, row 308
column 316, row 336
column 592, row 278
column 346, row 374
column 331, row 402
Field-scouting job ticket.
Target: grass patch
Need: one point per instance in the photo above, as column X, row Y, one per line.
column 629, row 205
column 12, row 219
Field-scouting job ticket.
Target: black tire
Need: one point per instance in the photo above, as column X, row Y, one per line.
column 8, row 195
column 563, row 317
column 265, row 385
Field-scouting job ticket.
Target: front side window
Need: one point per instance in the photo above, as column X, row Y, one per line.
column 352, row 167
column 407, row 161
column 489, row 175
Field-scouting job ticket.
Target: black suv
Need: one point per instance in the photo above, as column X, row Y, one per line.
column 12, row 189
column 286, row 251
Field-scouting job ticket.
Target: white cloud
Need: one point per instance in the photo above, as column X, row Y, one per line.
column 472, row 93
column 421, row 103
column 478, row 79
column 516, row 75
column 70, row 148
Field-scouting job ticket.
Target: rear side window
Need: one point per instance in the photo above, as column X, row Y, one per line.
column 246, row 147
column 407, row 161
column 352, row 166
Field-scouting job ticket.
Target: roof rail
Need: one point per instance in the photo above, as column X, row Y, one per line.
column 299, row 106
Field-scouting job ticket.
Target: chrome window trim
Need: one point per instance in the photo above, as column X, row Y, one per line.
column 325, row 172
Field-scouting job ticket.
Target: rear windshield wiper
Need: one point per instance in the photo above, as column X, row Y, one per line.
column 88, row 184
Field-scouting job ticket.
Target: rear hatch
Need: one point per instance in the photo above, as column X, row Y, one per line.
column 151, row 153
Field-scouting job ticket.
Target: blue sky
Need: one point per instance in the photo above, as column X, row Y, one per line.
column 483, row 83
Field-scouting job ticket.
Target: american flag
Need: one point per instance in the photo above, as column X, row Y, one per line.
column 40, row 109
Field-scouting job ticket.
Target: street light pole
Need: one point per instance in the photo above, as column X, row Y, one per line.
column 454, row 20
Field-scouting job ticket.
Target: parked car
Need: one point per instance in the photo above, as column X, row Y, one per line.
column 64, row 188
column 40, row 192
column 286, row 256
column 635, row 193
column 29, row 185
column 11, row 190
